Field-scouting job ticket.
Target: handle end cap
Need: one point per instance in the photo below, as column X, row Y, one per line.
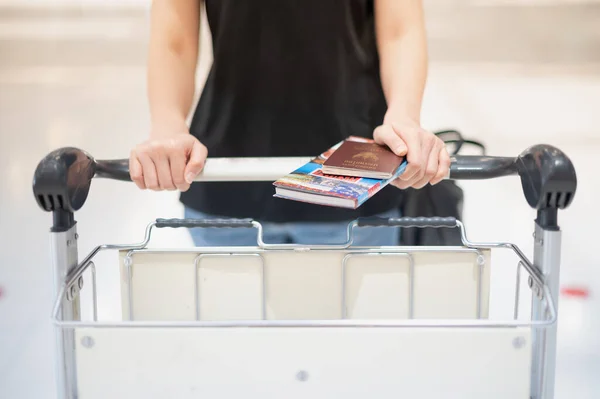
column 62, row 179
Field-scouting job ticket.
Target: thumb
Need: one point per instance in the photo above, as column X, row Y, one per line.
column 385, row 135
column 196, row 162
column 409, row 137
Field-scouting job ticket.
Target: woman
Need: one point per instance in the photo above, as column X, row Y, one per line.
column 289, row 78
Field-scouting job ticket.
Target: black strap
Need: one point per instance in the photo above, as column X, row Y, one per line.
column 452, row 136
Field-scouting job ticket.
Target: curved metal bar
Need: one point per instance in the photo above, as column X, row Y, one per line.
column 338, row 323
column 81, row 267
column 411, row 323
column 535, row 273
column 478, row 323
column 344, row 245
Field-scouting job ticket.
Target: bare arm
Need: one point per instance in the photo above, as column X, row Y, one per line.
column 171, row 158
column 172, row 59
column 402, row 47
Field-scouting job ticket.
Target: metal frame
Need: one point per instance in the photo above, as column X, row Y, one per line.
column 64, row 255
column 546, row 257
column 546, row 301
column 543, row 277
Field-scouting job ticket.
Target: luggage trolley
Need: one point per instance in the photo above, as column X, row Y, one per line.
column 294, row 321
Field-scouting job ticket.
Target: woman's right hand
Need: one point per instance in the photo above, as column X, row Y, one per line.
column 167, row 163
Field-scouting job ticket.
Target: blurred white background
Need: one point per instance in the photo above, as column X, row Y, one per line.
column 508, row 73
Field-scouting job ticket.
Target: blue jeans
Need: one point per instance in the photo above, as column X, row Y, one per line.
column 306, row 233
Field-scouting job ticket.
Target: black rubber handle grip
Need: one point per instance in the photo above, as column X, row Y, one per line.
column 117, row 169
column 479, row 167
column 407, row 222
column 204, row 223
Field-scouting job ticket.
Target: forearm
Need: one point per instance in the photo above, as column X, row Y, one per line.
column 172, row 59
column 402, row 48
column 170, row 90
column 403, row 75
column 403, row 61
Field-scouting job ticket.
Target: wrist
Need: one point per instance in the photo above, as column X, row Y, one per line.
column 167, row 126
column 402, row 115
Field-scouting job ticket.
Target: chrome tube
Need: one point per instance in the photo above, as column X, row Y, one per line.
column 64, row 259
column 546, row 258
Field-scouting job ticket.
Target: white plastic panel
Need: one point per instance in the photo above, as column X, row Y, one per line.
column 303, row 363
column 378, row 286
column 230, row 289
column 307, row 285
column 162, row 287
column 304, row 285
column 446, row 285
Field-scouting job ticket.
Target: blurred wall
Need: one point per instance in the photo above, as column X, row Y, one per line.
column 62, row 3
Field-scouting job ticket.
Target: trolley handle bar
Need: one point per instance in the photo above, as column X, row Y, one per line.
column 62, row 179
column 405, row 221
column 462, row 167
column 204, row 223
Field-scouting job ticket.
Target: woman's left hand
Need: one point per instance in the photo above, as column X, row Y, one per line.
column 428, row 159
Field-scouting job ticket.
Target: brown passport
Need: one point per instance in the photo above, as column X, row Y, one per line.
column 359, row 159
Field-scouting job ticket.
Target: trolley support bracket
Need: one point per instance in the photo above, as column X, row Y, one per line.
column 549, row 183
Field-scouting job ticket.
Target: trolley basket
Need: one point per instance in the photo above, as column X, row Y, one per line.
column 303, row 321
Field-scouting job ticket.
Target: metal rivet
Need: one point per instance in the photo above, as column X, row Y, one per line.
column 87, row 341
column 518, row 342
column 302, row 375
column 480, row 260
column 72, row 292
column 80, row 282
column 539, row 292
column 76, row 236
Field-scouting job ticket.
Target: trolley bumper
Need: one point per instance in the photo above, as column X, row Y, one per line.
column 344, row 340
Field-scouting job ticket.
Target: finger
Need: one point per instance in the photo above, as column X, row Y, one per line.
column 407, row 183
column 135, row 171
column 443, row 168
column 149, row 171
column 177, row 162
column 431, row 168
column 163, row 170
column 401, row 184
column 414, row 157
column 385, row 135
column 196, row 162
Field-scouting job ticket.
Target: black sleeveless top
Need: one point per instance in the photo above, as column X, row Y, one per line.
column 289, row 78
